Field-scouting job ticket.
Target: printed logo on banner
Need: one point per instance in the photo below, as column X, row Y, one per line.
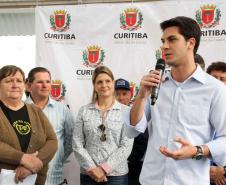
column 60, row 21
column 93, row 56
column 58, row 90
column 160, row 55
column 208, row 16
column 60, row 25
column 134, row 89
column 131, row 19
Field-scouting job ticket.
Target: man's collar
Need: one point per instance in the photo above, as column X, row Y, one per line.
column 51, row 102
column 198, row 75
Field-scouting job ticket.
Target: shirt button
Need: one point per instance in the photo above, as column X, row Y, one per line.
column 33, row 132
column 30, row 146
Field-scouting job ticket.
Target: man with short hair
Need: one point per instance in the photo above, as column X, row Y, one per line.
column 218, row 70
column 188, row 111
column 39, row 85
column 218, row 173
column 122, row 91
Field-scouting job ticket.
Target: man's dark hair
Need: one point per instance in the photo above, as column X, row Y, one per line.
column 216, row 66
column 199, row 60
column 31, row 74
column 188, row 27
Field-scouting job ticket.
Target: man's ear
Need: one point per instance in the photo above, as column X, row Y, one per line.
column 28, row 86
column 191, row 43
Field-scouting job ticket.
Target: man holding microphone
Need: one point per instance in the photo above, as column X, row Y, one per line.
column 188, row 110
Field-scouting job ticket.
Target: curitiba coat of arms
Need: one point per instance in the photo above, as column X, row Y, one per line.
column 60, row 21
column 131, row 19
column 208, row 16
column 93, row 56
column 58, row 90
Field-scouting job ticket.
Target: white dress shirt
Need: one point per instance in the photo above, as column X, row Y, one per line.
column 193, row 110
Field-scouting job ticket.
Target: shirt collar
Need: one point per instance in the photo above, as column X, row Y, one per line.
column 199, row 75
column 116, row 106
column 51, row 102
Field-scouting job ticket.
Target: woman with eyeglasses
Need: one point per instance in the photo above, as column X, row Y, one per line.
column 27, row 140
column 99, row 140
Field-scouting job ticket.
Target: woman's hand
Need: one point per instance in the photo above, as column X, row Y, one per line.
column 97, row 174
column 21, row 173
column 31, row 162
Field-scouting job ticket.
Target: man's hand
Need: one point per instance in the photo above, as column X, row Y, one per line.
column 31, row 162
column 217, row 175
column 186, row 150
column 21, row 173
column 147, row 82
column 97, row 174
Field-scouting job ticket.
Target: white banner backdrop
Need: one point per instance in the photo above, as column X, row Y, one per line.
column 73, row 40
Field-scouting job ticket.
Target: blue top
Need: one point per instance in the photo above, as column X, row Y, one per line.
column 193, row 110
column 62, row 121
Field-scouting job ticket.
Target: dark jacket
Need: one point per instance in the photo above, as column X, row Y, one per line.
column 43, row 139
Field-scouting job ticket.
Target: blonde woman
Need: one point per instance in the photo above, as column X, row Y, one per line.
column 100, row 144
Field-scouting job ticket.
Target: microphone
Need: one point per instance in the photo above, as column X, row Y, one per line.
column 160, row 66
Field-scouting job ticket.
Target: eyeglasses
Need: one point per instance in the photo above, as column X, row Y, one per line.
column 103, row 134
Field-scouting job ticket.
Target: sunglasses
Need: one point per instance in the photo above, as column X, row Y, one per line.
column 102, row 128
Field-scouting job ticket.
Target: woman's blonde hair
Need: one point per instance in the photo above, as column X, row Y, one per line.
column 97, row 71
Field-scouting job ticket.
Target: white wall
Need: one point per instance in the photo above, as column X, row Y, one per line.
column 19, row 51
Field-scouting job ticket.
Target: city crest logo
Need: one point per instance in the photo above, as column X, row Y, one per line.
column 159, row 54
column 60, row 21
column 93, row 56
column 134, row 89
column 208, row 16
column 58, row 90
column 131, row 19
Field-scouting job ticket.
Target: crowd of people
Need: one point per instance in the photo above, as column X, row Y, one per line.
column 178, row 141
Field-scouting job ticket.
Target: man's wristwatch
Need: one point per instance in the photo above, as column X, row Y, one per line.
column 199, row 154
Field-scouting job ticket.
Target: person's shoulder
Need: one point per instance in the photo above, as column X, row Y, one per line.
column 215, row 87
column 86, row 107
column 32, row 107
column 57, row 105
column 121, row 106
column 215, row 83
